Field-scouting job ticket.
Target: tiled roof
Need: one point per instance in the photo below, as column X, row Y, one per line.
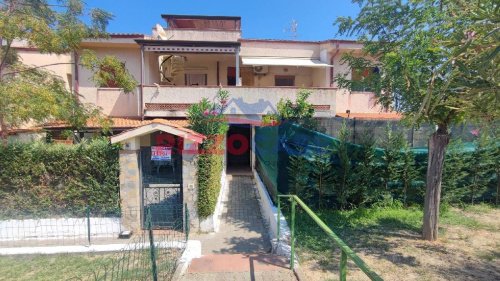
column 166, row 122
column 372, row 116
column 167, row 106
column 123, row 123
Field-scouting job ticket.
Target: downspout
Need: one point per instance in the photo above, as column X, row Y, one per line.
column 76, row 86
column 332, row 69
column 141, row 89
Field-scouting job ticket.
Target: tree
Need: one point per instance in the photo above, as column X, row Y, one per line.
column 300, row 111
column 343, row 171
column 298, row 175
column 322, row 173
column 365, row 182
column 32, row 94
column 435, row 62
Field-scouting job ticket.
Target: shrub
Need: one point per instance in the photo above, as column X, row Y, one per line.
column 39, row 179
column 207, row 118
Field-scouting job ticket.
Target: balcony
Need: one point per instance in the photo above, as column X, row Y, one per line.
column 173, row 101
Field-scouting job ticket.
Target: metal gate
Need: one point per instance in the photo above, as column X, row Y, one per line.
column 162, row 190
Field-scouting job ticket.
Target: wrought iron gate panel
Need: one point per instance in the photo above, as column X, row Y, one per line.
column 161, row 194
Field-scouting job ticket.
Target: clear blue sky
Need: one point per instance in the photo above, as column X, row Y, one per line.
column 260, row 18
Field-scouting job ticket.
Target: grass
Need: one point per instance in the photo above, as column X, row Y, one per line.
column 391, row 233
column 126, row 265
column 51, row 267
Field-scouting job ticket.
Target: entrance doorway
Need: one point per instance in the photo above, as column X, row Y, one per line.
column 239, row 147
column 161, row 167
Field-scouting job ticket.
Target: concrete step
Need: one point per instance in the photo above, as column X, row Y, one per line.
column 239, row 267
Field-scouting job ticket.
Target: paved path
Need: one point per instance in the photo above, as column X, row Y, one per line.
column 239, row 251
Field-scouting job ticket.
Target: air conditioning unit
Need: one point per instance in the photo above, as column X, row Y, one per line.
column 260, row 69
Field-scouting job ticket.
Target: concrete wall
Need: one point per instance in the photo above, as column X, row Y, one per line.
column 200, row 35
column 189, row 183
column 244, row 100
column 279, row 49
column 416, row 137
column 63, row 69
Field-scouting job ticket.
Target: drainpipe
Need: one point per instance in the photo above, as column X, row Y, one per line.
column 238, row 82
column 141, row 105
column 332, row 69
column 76, row 86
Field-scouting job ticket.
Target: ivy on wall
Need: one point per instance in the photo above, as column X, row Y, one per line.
column 38, row 179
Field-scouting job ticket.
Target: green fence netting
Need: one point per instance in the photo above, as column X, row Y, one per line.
column 275, row 144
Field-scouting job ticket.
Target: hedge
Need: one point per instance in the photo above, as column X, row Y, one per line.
column 38, row 179
column 210, row 167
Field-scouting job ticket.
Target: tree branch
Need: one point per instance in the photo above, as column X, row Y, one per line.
column 40, row 66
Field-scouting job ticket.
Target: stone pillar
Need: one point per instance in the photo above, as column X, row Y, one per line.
column 189, row 182
column 130, row 186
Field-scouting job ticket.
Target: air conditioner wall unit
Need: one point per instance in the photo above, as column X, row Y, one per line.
column 260, row 69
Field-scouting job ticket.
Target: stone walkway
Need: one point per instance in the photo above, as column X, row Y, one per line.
column 240, row 250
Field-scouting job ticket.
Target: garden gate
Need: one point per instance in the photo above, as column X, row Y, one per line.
column 162, row 186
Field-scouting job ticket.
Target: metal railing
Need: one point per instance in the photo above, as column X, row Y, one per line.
column 346, row 251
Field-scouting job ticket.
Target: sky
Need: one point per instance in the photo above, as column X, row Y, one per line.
column 260, row 19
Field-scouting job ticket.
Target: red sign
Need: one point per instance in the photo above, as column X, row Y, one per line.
column 161, row 153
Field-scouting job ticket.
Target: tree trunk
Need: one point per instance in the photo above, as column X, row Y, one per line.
column 437, row 147
column 3, row 132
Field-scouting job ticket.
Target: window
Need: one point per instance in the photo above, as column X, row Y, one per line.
column 284, row 80
column 196, row 79
column 359, row 75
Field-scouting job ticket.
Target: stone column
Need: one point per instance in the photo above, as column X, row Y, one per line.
column 189, row 181
column 130, row 186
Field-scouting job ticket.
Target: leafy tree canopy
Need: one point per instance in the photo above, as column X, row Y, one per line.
column 434, row 61
column 32, row 94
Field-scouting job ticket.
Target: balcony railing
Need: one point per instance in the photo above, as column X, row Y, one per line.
column 174, row 101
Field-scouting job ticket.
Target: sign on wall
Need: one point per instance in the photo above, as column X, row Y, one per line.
column 161, row 153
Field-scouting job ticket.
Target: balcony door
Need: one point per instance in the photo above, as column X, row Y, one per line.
column 196, row 79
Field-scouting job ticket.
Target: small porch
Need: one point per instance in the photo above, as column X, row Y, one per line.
column 157, row 174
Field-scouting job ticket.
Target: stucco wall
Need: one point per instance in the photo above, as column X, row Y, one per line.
column 243, row 100
column 201, row 35
column 63, row 69
column 279, row 49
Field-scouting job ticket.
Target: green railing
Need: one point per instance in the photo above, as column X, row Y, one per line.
column 346, row 251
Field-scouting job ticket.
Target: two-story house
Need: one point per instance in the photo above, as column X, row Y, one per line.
column 192, row 56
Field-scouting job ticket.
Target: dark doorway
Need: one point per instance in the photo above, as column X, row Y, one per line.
column 231, row 76
column 161, row 171
column 239, row 146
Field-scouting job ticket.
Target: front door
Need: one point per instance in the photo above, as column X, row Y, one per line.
column 238, row 147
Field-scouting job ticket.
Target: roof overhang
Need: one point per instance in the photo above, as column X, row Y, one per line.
column 284, row 61
column 181, row 46
column 155, row 127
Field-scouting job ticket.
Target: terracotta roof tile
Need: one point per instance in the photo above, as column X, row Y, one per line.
column 372, row 116
column 120, row 123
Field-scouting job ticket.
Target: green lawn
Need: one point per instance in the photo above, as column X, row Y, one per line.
column 388, row 238
column 52, row 267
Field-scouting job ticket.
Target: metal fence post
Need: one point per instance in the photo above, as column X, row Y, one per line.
column 279, row 224
column 292, row 254
column 87, row 212
column 186, row 221
column 343, row 266
column 149, row 224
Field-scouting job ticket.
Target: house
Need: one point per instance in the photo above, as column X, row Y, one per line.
column 189, row 58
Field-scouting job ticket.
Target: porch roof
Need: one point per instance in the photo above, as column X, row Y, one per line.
column 159, row 125
column 284, row 61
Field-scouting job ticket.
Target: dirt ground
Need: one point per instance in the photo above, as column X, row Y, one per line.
column 462, row 253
